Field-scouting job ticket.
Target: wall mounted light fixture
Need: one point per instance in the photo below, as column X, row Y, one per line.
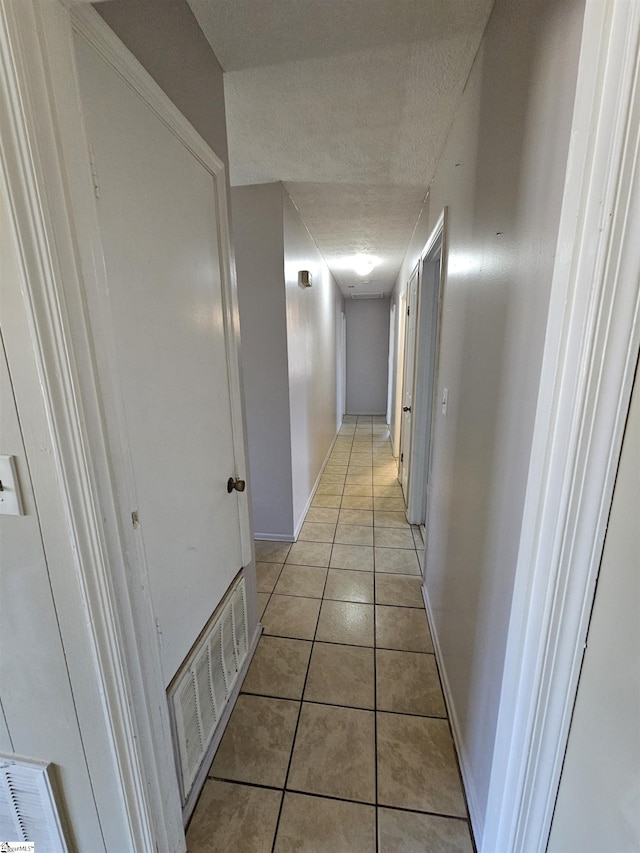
column 305, row 279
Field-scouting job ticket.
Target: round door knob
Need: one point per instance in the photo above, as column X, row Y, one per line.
column 233, row 483
column 406, row 408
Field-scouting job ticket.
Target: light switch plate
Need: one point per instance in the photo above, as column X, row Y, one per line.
column 10, row 499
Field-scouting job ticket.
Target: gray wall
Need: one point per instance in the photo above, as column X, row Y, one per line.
column 597, row 807
column 501, row 175
column 313, row 322
column 367, row 355
column 289, row 355
column 166, row 39
column 258, row 230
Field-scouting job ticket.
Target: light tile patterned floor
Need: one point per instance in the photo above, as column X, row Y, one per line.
column 339, row 741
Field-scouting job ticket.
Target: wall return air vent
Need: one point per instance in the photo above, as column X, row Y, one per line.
column 368, row 295
column 28, row 811
column 200, row 692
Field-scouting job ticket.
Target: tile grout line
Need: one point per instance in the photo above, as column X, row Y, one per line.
column 334, row 798
column 314, row 640
column 304, row 687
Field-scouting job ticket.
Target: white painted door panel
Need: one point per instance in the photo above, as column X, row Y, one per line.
column 158, row 219
column 408, row 382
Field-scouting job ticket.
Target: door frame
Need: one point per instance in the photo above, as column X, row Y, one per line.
column 396, row 427
column 343, row 362
column 46, row 173
column 590, row 353
column 392, row 345
column 406, row 436
column 425, row 380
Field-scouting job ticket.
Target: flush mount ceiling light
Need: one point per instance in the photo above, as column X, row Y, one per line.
column 360, row 264
column 363, row 264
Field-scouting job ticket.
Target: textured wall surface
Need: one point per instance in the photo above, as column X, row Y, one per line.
column 348, row 104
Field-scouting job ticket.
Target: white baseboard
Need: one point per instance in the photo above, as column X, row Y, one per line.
column 475, row 814
column 274, row 537
column 298, row 526
column 201, row 778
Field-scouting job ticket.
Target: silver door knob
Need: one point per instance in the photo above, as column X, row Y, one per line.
column 238, row 485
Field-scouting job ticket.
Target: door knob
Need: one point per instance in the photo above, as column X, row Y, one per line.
column 406, row 408
column 236, row 484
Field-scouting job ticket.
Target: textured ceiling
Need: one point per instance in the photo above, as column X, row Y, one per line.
column 348, row 102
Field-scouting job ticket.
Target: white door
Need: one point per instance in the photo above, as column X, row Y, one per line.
column 343, row 363
column 408, row 381
column 159, row 217
column 392, row 349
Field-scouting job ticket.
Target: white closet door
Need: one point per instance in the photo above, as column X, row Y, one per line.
column 408, row 383
column 158, row 216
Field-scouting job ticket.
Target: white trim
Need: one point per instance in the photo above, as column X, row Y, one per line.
column 115, row 671
column 274, row 537
column 157, row 731
column 475, row 812
column 392, row 347
column 593, row 336
column 395, row 427
column 103, row 40
column 423, row 407
column 288, row 537
column 34, row 38
column 298, row 526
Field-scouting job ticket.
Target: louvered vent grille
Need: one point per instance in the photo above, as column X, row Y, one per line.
column 27, row 807
column 200, row 691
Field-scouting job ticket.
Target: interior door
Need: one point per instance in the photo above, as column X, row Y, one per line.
column 158, row 212
column 408, row 381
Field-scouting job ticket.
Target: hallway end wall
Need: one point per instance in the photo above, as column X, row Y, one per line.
column 367, row 355
column 313, row 338
column 501, row 176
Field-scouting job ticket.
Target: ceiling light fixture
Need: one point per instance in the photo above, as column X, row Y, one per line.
column 360, row 264
column 363, row 264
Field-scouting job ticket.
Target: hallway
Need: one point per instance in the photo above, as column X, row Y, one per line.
column 342, row 708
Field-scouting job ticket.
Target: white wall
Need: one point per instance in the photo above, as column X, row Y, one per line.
column 52, row 701
column 367, row 355
column 258, row 236
column 598, row 806
column 501, row 175
column 313, row 338
column 37, row 710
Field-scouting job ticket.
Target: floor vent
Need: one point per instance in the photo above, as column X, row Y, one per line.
column 200, row 691
column 27, row 807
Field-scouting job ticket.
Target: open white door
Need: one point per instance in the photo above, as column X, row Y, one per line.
column 166, row 318
column 408, row 382
column 424, row 409
column 392, row 349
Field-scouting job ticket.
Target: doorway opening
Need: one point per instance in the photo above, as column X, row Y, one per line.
column 419, row 381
